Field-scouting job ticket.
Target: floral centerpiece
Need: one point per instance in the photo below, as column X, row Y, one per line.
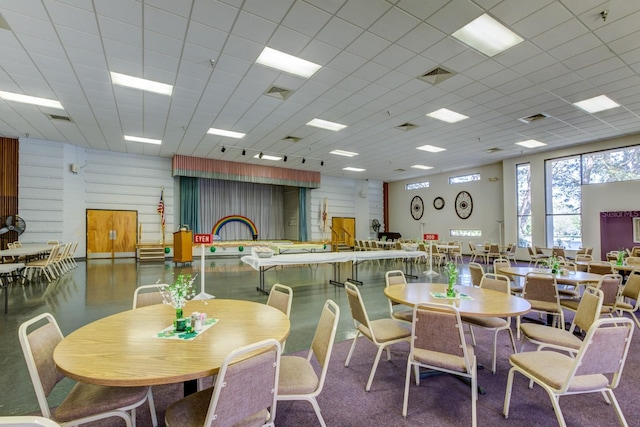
column 452, row 274
column 179, row 292
column 553, row 263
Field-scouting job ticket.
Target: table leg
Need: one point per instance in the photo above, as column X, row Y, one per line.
column 190, row 387
column 354, row 273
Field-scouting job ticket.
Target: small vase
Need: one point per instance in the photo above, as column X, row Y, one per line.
column 178, row 313
column 451, row 292
column 180, row 323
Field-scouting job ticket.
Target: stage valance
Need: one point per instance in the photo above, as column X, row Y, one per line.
column 244, row 172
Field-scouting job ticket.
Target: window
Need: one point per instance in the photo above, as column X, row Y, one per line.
column 523, row 197
column 563, row 198
column 464, row 178
column 417, row 185
column 620, row 164
column 465, row 233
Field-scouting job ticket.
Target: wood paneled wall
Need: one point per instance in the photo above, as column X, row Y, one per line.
column 9, row 148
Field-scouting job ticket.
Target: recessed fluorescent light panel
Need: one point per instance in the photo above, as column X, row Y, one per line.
column 431, row 148
column 487, row 35
column 343, row 153
column 26, row 99
column 142, row 84
column 222, row 132
column 145, row 140
column 423, row 167
column 447, row 115
column 353, row 169
column 323, row 124
column 287, row 63
column 599, row 103
column 531, row 143
column 267, row 157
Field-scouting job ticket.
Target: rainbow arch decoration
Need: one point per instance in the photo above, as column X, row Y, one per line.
column 235, row 218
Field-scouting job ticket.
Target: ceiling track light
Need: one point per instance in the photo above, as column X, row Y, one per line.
column 244, row 152
column 260, row 156
column 321, row 162
column 303, row 160
column 223, row 149
column 285, row 158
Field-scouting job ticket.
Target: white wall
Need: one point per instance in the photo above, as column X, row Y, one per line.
column 538, row 213
column 487, row 206
column 346, row 200
column 53, row 200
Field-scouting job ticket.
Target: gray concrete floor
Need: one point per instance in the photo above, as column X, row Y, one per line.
column 98, row 288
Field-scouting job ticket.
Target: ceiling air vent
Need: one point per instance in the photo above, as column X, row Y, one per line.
column 59, row 118
column 278, row 92
column 406, row 126
column 399, row 170
column 533, row 118
column 492, row 150
column 436, row 75
column 292, row 139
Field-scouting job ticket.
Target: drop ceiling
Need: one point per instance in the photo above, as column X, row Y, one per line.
column 373, row 54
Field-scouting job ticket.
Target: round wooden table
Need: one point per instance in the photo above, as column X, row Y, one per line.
column 573, row 278
column 485, row 302
column 123, row 349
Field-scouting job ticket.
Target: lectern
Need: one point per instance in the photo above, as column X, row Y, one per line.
column 182, row 244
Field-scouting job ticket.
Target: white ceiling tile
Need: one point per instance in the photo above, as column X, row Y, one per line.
column 215, row 14
column 561, row 34
column 368, row 45
column 339, row 33
column 454, row 15
column 542, row 20
column 120, row 31
column 421, row 37
column 288, row 41
column 363, row 13
column 275, row 11
column 394, row 24
column 306, row 19
column 421, row 9
column 512, row 11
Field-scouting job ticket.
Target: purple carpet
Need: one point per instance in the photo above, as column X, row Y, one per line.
column 439, row 400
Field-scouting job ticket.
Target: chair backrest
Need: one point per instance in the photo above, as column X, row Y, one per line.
column 635, row 251
column 531, row 251
column 476, row 271
column 512, row 248
column 438, row 328
column 588, row 309
column 600, row 267
column 557, row 252
column 633, row 260
column 494, row 249
column 10, row 245
column 356, row 306
column 246, row 387
column 148, row 295
column 496, row 282
column 53, row 242
column 540, row 287
column 281, row 297
column 395, row 277
column 17, row 244
column 37, row 347
column 322, row 343
column 585, row 257
column 604, row 351
column 610, row 284
column 571, row 266
column 27, row 421
column 538, row 250
column 500, row 263
column 631, row 288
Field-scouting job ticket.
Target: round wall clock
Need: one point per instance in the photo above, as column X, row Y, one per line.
column 464, row 205
column 438, row 203
column 417, row 207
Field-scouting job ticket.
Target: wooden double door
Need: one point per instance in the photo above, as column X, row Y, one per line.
column 111, row 233
column 343, row 231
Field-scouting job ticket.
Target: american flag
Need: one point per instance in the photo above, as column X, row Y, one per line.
column 161, row 207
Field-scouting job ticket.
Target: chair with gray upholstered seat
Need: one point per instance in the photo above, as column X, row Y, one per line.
column 298, row 378
column 381, row 332
column 85, row 403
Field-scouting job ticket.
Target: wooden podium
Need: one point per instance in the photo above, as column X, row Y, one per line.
column 182, row 244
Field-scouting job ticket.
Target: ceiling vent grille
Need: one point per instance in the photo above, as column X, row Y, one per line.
column 399, row 170
column 292, row 139
column 492, row 150
column 59, row 118
column 533, row 118
column 278, row 92
column 406, row 126
column 436, row 75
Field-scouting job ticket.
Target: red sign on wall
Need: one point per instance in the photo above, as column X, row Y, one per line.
column 202, row 239
column 430, row 236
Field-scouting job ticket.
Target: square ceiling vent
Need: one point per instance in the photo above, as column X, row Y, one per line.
column 534, row 118
column 406, row 127
column 292, row 139
column 59, row 118
column 278, row 92
column 436, row 75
